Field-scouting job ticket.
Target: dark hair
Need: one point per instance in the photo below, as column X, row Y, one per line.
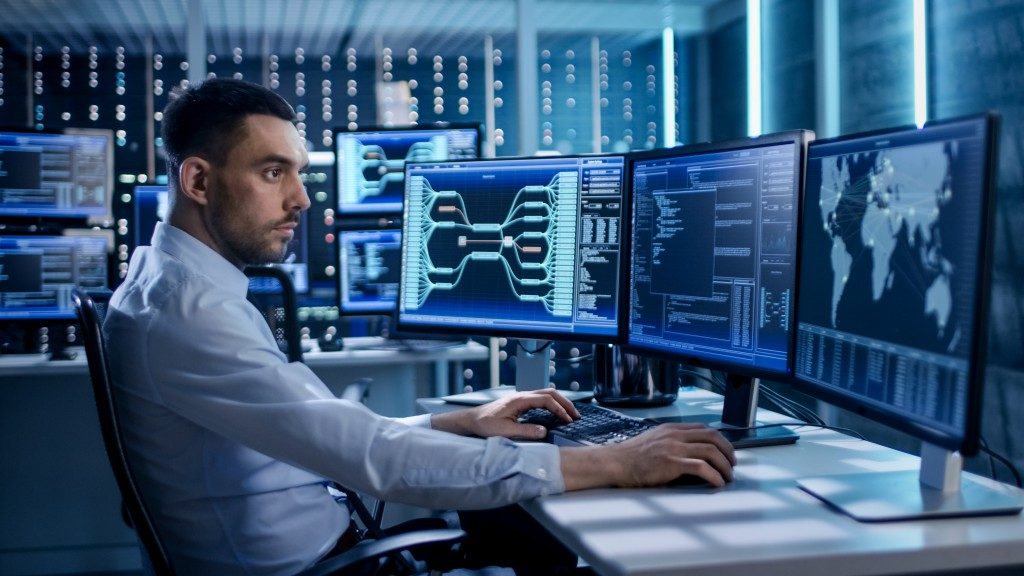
column 203, row 120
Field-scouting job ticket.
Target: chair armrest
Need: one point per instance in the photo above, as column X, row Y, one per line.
column 375, row 549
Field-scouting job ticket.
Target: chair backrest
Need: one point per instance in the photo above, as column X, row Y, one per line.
column 271, row 290
column 91, row 307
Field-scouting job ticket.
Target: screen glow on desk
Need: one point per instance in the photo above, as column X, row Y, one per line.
column 773, row 532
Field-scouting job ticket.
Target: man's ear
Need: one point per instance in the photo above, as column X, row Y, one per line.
column 194, row 176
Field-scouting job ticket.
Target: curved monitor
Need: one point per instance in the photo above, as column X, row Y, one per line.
column 370, row 162
column 894, row 269
column 712, row 275
column 517, row 246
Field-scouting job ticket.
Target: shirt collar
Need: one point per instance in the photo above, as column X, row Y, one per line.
column 200, row 257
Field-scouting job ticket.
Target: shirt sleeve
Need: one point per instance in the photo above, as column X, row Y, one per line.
column 212, row 360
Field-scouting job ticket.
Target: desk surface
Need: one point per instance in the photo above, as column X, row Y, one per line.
column 762, row 523
column 359, row 352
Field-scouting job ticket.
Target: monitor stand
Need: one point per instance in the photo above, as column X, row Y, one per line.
column 937, row 490
column 738, row 420
column 533, row 364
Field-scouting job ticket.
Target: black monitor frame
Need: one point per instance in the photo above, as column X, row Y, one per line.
column 345, row 131
column 969, row 444
column 800, row 138
column 742, row 381
column 937, row 489
column 526, row 334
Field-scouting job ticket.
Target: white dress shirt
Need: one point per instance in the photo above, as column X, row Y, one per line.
column 231, row 443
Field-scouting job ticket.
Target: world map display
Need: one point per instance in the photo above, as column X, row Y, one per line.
column 898, row 191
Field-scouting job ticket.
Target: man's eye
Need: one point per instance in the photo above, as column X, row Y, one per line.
column 275, row 172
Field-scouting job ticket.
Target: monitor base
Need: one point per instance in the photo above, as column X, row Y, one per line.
column 891, row 496
column 741, row 437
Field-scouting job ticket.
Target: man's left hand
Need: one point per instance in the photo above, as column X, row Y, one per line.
column 500, row 417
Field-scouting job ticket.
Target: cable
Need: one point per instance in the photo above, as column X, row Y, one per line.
column 847, row 431
column 1002, row 460
column 539, row 349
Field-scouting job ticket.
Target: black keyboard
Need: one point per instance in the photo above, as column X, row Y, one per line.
column 597, row 425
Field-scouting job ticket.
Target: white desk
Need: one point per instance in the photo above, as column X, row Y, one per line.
column 762, row 523
column 59, row 505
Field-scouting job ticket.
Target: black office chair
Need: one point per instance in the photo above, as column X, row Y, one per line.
column 272, row 292
column 391, row 553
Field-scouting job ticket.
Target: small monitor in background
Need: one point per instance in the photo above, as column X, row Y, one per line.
column 370, row 169
column 713, row 264
column 369, row 268
column 151, row 206
column 38, row 274
column 50, row 175
column 527, row 247
column 895, row 259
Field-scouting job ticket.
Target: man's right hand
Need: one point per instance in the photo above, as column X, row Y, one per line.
column 653, row 458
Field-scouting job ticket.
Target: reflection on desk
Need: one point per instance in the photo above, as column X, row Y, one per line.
column 762, row 523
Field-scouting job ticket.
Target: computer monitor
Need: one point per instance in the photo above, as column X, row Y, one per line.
column 371, row 161
column 38, row 274
column 369, row 268
column 712, row 271
column 895, row 258
column 151, row 206
column 52, row 175
column 525, row 247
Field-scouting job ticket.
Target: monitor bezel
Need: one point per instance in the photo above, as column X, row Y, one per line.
column 799, row 139
column 969, row 443
column 616, row 338
column 104, row 219
column 382, row 225
column 345, row 131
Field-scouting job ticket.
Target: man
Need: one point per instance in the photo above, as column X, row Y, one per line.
column 232, row 444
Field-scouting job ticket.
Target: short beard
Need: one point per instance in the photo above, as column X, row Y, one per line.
column 245, row 245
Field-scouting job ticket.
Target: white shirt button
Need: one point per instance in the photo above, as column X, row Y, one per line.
column 542, row 473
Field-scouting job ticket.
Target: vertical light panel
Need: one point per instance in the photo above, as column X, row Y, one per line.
column 920, row 64
column 489, row 123
column 827, row 42
column 753, row 67
column 668, row 83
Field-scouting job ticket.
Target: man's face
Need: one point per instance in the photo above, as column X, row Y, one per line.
column 256, row 196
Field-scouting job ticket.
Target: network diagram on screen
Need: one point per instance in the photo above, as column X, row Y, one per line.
column 889, row 314
column 371, row 164
column 523, row 244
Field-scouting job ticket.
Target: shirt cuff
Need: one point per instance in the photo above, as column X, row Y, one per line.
column 543, row 462
column 419, row 421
